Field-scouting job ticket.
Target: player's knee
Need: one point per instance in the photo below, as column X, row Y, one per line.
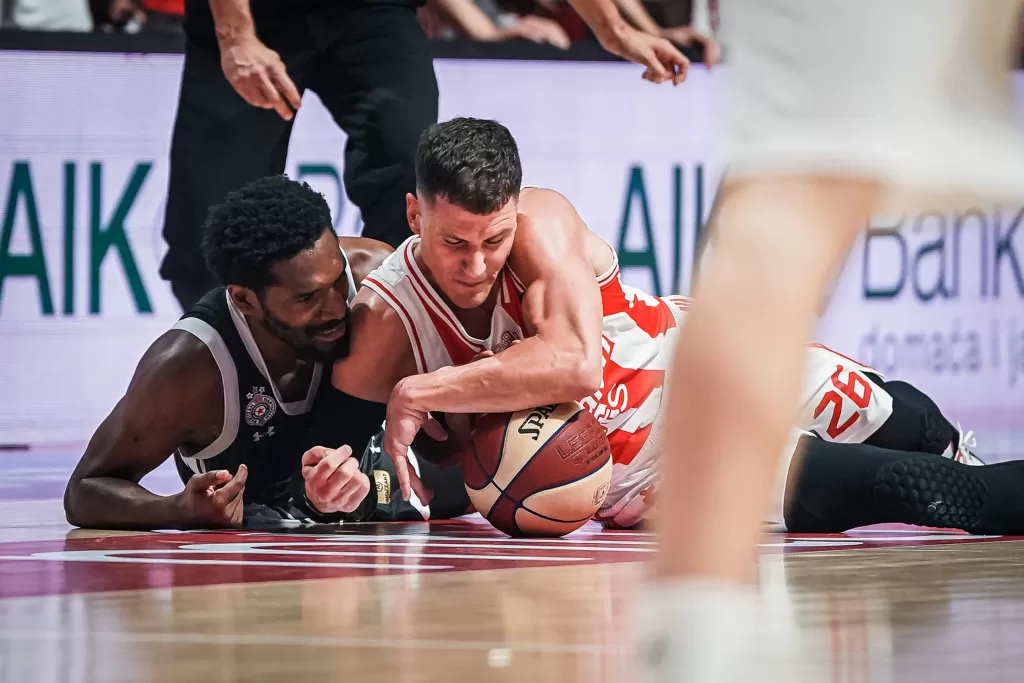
column 916, row 423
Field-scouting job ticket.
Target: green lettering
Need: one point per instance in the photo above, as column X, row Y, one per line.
column 644, row 258
column 70, row 169
column 677, row 228
column 329, row 170
column 102, row 238
column 32, row 264
column 698, row 222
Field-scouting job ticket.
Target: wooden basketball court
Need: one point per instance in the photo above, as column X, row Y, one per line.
column 458, row 601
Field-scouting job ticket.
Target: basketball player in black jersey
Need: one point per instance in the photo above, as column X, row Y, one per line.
column 236, row 390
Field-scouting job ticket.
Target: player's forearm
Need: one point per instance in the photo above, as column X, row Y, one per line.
column 529, row 374
column 601, row 16
column 233, row 20
column 638, row 14
column 109, row 503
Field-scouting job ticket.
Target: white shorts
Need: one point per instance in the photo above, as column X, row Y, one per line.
column 915, row 93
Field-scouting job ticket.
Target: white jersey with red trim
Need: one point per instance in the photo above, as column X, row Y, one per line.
column 437, row 337
column 638, row 337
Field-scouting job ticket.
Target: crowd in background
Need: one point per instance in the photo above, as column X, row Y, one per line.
column 552, row 22
column 83, row 16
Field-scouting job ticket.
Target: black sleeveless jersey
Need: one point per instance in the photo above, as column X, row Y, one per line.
column 260, row 430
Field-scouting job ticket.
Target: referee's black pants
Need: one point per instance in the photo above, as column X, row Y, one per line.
column 370, row 66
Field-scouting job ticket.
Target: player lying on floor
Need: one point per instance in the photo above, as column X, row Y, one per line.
column 234, row 388
column 491, row 264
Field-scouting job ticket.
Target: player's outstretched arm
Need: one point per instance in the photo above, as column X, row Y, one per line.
column 561, row 358
column 663, row 60
column 176, row 394
column 560, row 361
column 379, row 354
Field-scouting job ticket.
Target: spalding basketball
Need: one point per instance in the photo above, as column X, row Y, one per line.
column 538, row 472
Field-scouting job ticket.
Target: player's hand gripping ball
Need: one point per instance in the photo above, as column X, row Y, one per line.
column 538, row 472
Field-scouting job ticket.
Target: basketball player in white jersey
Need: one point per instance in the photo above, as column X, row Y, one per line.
column 504, row 299
column 837, row 109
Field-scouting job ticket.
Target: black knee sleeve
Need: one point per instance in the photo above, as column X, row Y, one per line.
column 916, row 423
column 834, row 487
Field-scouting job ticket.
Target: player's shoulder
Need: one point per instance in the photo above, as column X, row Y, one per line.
column 179, row 350
column 364, row 255
column 374, row 317
column 543, row 202
column 549, row 215
column 180, row 364
column 548, row 229
column 379, row 352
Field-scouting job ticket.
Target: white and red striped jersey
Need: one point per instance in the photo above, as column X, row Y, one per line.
column 638, row 338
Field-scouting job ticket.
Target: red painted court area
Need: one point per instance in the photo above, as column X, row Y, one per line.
column 166, row 560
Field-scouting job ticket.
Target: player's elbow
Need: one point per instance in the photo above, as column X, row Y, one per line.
column 584, row 378
column 71, row 512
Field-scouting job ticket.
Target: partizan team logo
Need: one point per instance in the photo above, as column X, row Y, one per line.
column 260, row 408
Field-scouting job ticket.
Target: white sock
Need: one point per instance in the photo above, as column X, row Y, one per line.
column 705, row 631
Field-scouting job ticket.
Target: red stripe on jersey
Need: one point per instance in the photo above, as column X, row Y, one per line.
column 512, row 304
column 457, row 348
column 610, row 276
column 653, row 318
column 625, row 445
column 389, row 296
column 822, row 346
column 516, row 281
column 638, row 384
column 433, row 303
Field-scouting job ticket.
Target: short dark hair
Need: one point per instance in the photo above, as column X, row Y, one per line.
column 269, row 220
column 472, row 163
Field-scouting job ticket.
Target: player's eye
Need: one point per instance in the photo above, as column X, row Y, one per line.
column 305, row 297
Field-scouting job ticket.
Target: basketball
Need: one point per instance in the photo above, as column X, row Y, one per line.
column 538, row 472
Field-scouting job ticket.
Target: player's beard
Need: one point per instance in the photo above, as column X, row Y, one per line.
column 302, row 340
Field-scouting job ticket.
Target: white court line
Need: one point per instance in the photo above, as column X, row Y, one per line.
column 912, row 532
column 389, row 643
column 807, row 543
column 276, row 549
column 104, row 556
column 413, row 544
column 934, row 537
column 489, row 541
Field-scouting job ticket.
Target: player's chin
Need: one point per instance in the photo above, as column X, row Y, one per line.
column 328, row 351
column 472, row 299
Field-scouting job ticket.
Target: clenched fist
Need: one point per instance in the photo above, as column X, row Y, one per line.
column 334, row 482
column 213, row 500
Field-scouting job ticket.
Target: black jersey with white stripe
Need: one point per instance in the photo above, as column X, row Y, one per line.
column 260, row 430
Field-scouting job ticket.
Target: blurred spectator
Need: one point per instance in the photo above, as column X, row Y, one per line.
column 122, row 15
column 51, row 15
column 133, row 16
column 635, row 12
column 556, row 23
column 487, row 21
column 164, row 15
